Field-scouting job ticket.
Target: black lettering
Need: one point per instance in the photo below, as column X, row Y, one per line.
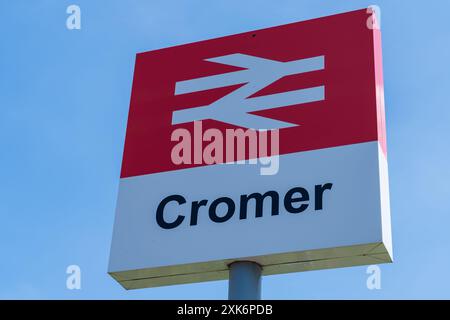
column 194, row 211
column 319, row 189
column 160, row 212
column 289, row 200
column 259, row 201
column 230, row 209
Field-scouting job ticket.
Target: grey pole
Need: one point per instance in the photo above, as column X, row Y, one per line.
column 245, row 281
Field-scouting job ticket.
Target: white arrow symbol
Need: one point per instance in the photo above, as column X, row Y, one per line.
column 234, row 107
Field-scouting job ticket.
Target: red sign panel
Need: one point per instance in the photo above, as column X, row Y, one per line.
column 316, row 81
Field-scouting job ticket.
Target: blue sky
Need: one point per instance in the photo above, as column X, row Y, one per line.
column 64, row 98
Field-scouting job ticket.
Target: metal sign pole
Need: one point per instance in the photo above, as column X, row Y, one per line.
column 245, row 281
